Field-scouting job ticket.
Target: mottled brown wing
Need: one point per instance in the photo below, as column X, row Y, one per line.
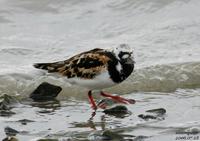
column 84, row 65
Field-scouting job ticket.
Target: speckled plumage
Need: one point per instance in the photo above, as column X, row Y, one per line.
column 106, row 65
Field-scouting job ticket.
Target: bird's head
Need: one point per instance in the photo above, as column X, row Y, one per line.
column 124, row 53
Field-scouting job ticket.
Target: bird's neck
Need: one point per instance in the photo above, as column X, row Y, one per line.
column 116, row 74
column 127, row 69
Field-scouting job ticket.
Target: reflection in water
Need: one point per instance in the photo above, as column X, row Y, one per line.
column 102, row 124
column 101, row 132
column 106, row 133
column 91, row 124
column 47, row 106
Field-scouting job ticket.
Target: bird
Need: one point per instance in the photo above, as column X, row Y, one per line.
column 96, row 69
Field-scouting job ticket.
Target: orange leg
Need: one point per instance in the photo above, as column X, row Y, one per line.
column 118, row 98
column 91, row 100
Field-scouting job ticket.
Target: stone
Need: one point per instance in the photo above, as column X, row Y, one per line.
column 6, row 102
column 10, row 139
column 157, row 114
column 25, row 121
column 159, row 111
column 117, row 111
column 10, row 131
column 45, row 91
column 147, row 117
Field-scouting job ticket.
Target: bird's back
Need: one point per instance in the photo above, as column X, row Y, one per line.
column 85, row 65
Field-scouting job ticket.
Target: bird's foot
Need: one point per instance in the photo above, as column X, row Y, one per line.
column 118, row 98
column 92, row 115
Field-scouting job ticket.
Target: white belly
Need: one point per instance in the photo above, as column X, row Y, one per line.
column 101, row 81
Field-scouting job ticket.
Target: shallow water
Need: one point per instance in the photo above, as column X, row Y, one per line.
column 164, row 35
column 70, row 119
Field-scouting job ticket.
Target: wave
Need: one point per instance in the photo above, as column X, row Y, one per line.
column 163, row 78
column 159, row 78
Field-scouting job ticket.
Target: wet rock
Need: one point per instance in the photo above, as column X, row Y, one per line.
column 118, row 111
column 6, row 103
column 147, row 117
column 159, row 111
column 109, row 135
column 10, row 139
column 10, row 131
column 25, row 121
column 45, row 91
column 104, row 135
column 155, row 114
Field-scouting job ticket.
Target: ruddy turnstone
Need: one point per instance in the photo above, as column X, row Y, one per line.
column 96, row 69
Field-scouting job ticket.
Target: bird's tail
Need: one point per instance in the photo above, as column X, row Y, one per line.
column 50, row 67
